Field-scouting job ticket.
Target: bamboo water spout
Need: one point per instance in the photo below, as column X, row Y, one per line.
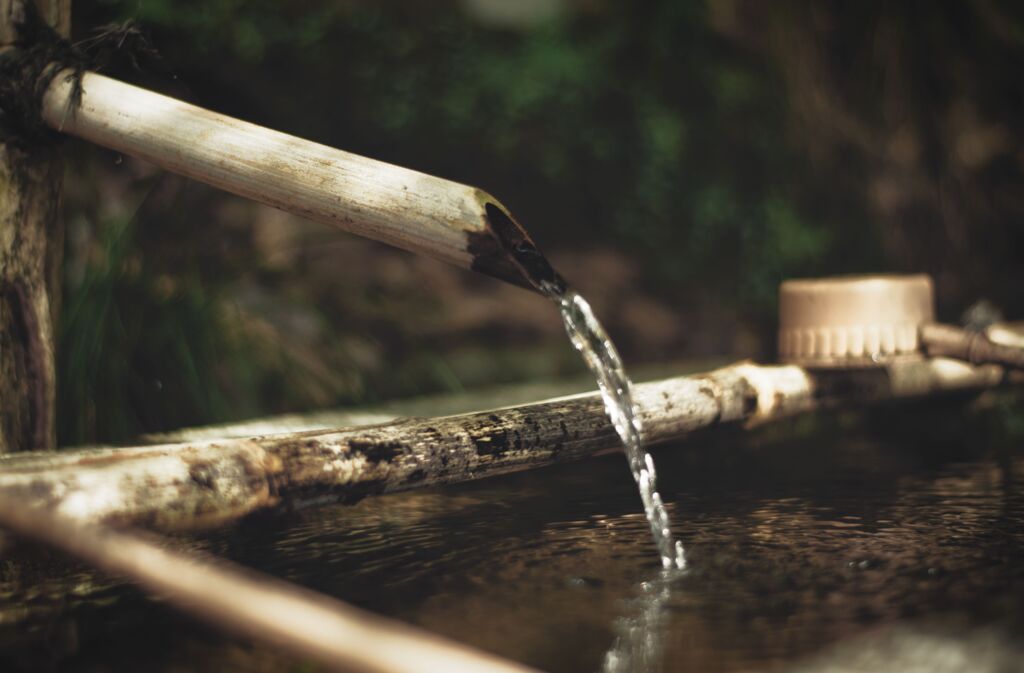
column 456, row 223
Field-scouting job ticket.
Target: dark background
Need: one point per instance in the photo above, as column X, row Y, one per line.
column 675, row 159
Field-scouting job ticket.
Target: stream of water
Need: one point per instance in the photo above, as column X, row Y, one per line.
column 601, row 357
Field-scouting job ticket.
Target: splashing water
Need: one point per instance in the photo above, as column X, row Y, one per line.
column 638, row 645
column 598, row 351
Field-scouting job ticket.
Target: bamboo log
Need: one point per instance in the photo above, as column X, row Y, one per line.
column 974, row 347
column 456, row 223
column 192, row 484
column 250, row 604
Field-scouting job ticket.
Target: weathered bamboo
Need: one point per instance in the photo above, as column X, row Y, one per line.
column 31, row 247
column 309, row 625
column 456, row 223
column 202, row 483
column 974, row 347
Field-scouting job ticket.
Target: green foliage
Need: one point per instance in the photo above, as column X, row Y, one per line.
column 632, row 125
column 137, row 351
column 648, row 133
column 247, row 31
column 628, row 125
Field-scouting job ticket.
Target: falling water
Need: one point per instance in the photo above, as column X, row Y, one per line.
column 598, row 351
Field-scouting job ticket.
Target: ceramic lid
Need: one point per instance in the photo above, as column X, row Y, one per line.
column 852, row 321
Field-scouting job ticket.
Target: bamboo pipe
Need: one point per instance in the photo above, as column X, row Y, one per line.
column 975, row 347
column 250, row 604
column 456, row 223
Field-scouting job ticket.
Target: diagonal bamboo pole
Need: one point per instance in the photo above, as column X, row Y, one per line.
column 456, row 223
column 309, row 625
column 193, row 484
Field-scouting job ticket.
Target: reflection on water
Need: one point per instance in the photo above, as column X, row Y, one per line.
column 792, row 548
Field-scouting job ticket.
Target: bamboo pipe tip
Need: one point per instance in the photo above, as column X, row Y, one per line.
column 853, row 321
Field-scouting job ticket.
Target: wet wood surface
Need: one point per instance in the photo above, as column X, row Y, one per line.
column 202, row 483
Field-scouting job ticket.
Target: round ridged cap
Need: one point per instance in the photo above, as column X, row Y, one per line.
column 853, row 321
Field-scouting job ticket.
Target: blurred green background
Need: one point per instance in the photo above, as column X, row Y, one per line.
column 676, row 159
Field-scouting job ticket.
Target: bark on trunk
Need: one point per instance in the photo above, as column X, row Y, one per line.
column 31, row 246
column 194, row 484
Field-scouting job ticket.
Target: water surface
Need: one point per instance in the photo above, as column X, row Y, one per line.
column 794, row 546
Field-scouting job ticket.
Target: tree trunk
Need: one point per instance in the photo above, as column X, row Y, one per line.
column 31, row 246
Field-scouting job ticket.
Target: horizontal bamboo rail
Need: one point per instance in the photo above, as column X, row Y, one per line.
column 306, row 624
column 975, row 347
column 456, row 223
column 192, row 484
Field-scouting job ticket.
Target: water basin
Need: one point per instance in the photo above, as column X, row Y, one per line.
column 802, row 553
